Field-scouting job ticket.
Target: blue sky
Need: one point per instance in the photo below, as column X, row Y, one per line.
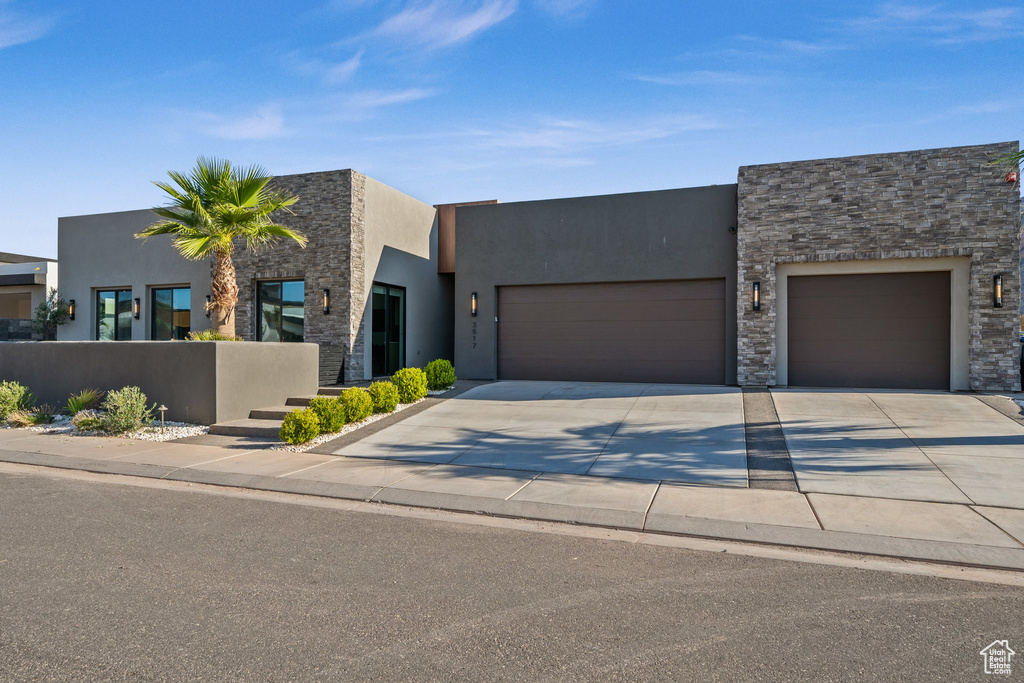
column 479, row 99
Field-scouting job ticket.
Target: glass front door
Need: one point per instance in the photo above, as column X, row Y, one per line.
column 281, row 305
column 114, row 315
column 388, row 323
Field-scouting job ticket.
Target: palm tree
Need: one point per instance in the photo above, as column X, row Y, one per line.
column 212, row 207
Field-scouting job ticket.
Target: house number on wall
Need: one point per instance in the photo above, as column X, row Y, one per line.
column 474, row 334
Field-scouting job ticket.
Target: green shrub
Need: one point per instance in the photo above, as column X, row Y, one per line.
column 43, row 415
column 440, row 374
column 83, row 400
column 209, row 335
column 300, row 426
column 126, row 411
column 330, row 412
column 14, row 396
column 384, row 396
column 358, row 404
column 19, row 418
column 411, row 384
column 88, row 420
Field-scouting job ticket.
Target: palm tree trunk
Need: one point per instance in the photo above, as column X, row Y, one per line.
column 224, row 294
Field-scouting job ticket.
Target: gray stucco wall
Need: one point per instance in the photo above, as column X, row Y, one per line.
column 662, row 235
column 203, row 382
column 401, row 250
column 925, row 204
column 100, row 252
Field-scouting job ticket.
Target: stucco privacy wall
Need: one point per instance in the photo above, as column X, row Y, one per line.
column 401, row 250
column 203, row 382
column 330, row 214
column 100, row 252
column 661, row 235
column 925, row 204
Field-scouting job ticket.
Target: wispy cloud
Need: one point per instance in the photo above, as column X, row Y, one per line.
column 438, row 24
column 701, row 77
column 266, row 123
column 944, row 25
column 373, row 99
column 17, row 28
column 330, row 73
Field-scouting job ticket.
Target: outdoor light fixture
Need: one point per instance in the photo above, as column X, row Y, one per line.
column 755, row 294
column 209, row 300
column 997, row 291
column 472, row 305
column 137, row 307
column 162, row 410
column 327, row 301
column 71, row 309
column 1012, row 177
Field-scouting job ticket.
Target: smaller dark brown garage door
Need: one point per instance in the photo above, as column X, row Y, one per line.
column 885, row 330
column 665, row 331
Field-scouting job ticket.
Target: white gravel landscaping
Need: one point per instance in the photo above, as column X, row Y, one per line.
column 172, row 430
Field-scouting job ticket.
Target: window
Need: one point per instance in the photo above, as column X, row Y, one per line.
column 114, row 315
column 16, row 306
column 281, row 306
column 171, row 312
column 388, row 324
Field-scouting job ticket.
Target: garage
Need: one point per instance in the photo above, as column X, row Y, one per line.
column 670, row 331
column 877, row 330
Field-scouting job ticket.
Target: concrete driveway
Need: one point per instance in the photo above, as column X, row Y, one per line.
column 658, row 432
column 925, row 446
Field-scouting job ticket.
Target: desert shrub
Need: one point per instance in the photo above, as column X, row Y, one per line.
column 20, row 418
column 125, row 410
column 411, row 384
column 88, row 420
column 384, row 396
column 14, row 396
column 358, row 404
column 300, row 426
column 440, row 374
column 83, row 400
column 209, row 335
column 330, row 412
column 43, row 414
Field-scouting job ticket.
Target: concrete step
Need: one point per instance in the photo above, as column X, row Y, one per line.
column 298, row 401
column 247, row 427
column 272, row 413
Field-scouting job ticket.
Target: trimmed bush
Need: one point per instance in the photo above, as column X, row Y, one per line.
column 384, row 396
column 358, row 404
column 126, row 410
column 209, row 335
column 88, row 420
column 440, row 374
column 330, row 412
column 83, row 400
column 411, row 384
column 300, row 426
column 14, row 396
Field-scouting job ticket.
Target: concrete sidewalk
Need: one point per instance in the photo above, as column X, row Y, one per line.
column 961, row 533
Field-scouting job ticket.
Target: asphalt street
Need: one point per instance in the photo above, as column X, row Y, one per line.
column 107, row 581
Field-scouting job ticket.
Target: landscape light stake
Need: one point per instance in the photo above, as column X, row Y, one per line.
column 162, row 408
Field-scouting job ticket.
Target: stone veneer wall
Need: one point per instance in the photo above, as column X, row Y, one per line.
column 330, row 213
column 921, row 204
column 17, row 329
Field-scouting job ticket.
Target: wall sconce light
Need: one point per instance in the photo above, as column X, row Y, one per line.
column 1012, row 176
column 755, row 296
column 997, row 291
column 136, row 308
column 71, row 309
column 209, row 300
column 327, row 301
column 472, row 305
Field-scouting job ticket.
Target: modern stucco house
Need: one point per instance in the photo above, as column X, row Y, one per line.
column 887, row 270
column 365, row 289
column 24, row 282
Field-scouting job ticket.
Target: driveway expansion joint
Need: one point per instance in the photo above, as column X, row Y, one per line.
column 768, row 461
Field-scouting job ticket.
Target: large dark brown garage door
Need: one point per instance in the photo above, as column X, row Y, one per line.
column 667, row 331
column 887, row 330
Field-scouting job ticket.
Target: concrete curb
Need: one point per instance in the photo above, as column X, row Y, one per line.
column 961, row 554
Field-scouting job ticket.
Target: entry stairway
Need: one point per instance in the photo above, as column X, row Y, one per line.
column 266, row 422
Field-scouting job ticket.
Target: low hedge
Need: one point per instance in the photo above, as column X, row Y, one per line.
column 300, row 426
column 411, row 384
column 384, row 396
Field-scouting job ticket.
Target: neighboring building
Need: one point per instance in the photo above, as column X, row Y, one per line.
column 372, row 255
column 24, row 281
column 868, row 271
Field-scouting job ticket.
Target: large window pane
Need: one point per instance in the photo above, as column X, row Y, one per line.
column 114, row 315
column 387, row 322
column 281, row 305
column 171, row 312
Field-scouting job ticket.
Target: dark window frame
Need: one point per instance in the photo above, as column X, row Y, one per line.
column 153, row 310
column 258, row 318
column 404, row 323
column 116, row 291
